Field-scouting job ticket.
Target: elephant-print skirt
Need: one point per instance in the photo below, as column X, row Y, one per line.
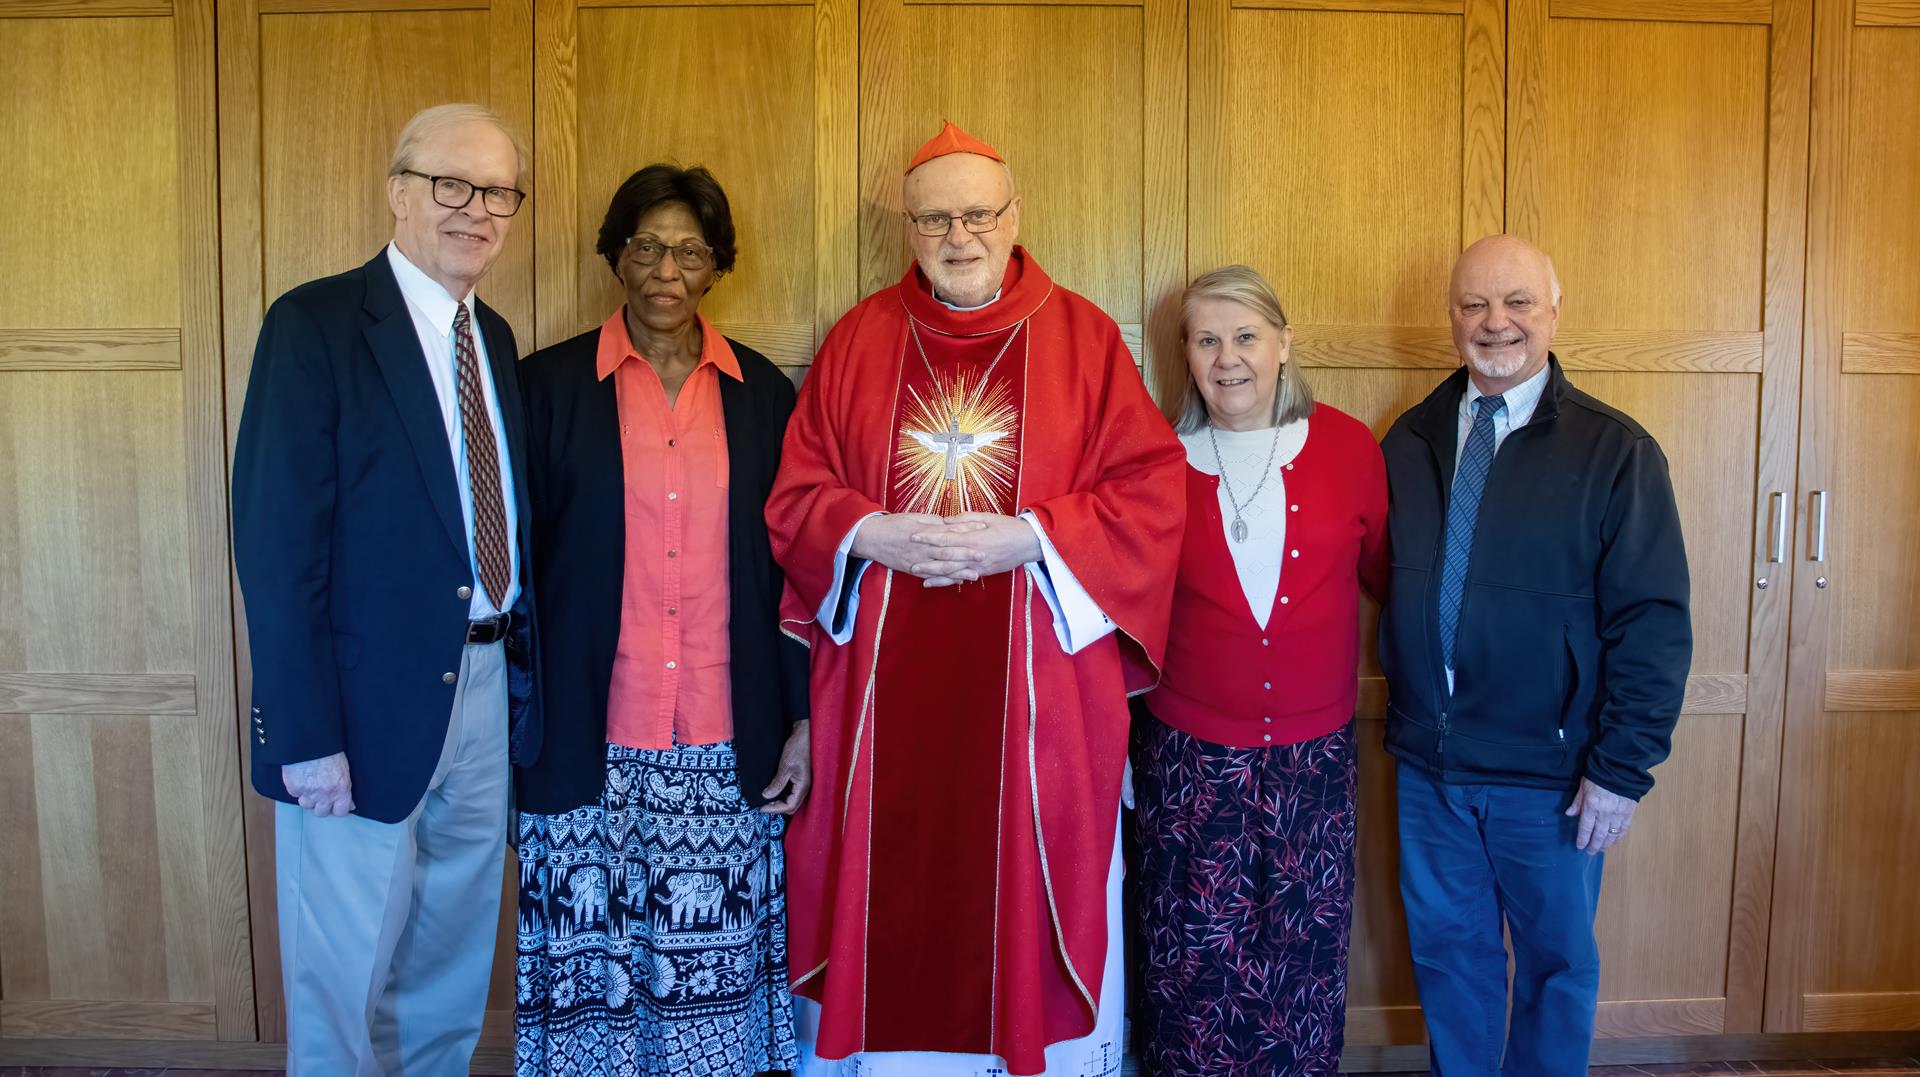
column 653, row 927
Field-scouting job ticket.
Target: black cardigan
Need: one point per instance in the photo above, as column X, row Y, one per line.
column 1574, row 637
column 579, row 540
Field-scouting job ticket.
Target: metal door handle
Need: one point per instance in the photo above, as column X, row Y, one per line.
column 1777, row 514
column 1819, row 510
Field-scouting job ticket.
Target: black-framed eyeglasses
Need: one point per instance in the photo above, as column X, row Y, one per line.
column 647, row 250
column 454, row 193
column 973, row 220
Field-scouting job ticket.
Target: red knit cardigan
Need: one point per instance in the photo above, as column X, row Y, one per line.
column 1226, row 680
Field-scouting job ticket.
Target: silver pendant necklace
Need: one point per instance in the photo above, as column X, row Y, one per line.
column 1239, row 528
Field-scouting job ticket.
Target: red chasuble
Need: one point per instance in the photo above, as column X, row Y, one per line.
column 946, row 879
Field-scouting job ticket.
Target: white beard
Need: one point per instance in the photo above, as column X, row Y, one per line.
column 966, row 288
column 1495, row 369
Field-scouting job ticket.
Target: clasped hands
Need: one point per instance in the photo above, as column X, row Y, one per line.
column 943, row 551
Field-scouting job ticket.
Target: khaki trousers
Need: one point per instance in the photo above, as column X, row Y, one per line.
column 387, row 929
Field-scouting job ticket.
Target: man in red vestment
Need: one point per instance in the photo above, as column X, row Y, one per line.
column 979, row 513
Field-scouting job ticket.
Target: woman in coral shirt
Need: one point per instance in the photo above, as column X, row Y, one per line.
column 652, row 934
column 1244, row 755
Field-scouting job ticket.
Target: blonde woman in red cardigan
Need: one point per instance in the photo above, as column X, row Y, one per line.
column 1244, row 759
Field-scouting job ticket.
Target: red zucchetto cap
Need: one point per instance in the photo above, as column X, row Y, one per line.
column 952, row 139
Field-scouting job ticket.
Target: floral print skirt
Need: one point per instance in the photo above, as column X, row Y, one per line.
column 1244, row 902
column 653, row 927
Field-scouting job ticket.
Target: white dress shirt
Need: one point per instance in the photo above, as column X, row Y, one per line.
column 433, row 311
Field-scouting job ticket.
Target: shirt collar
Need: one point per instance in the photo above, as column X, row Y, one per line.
column 424, row 294
column 997, row 292
column 616, row 347
column 1521, row 399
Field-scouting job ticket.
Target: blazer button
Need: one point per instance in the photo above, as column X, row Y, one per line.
column 448, row 678
column 463, row 592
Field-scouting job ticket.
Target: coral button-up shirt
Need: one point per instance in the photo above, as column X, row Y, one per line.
column 670, row 670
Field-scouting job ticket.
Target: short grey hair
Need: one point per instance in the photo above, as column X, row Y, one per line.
column 429, row 122
column 1242, row 284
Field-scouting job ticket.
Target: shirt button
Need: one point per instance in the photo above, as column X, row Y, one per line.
column 1269, row 721
column 1295, row 553
column 673, row 553
column 1293, row 508
column 671, row 443
column 463, row 592
column 1289, row 467
column 672, row 496
column 673, row 611
column 1267, row 737
column 1263, row 643
column 673, row 665
column 1268, row 685
column 448, row 678
column 1283, row 600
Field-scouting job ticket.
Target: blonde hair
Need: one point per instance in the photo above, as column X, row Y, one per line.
column 429, row 122
column 1180, row 398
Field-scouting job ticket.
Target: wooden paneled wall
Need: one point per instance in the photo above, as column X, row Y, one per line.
column 122, row 909
column 1726, row 185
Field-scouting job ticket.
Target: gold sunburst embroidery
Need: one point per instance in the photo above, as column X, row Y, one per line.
column 957, row 451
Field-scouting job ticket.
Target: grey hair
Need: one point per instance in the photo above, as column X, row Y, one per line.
column 429, row 122
column 1182, row 403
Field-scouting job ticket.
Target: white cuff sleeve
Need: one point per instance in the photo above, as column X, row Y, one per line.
column 1077, row 619
column 836, row 616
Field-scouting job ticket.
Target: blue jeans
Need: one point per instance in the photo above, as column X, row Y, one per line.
column 1471, row 857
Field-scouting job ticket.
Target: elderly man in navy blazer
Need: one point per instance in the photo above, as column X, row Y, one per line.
column 380, row 533
column 1535, row 643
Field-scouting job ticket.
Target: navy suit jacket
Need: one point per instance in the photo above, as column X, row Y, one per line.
column 350, row 544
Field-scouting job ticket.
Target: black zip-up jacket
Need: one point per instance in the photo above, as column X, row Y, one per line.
column 1574, row 641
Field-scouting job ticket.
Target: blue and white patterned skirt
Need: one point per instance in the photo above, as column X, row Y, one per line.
column 653, row 927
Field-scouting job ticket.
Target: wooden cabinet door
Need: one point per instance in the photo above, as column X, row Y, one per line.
column 1349, row 154
column 1846, row 934
column 1657, row 148
column 1084, row 101
column 123, row 898
column 313, row 94
column 761, row 96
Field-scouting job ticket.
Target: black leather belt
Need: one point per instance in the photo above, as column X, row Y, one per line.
column 489, row 629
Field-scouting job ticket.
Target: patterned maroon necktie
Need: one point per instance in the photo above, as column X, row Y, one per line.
column 483, row 467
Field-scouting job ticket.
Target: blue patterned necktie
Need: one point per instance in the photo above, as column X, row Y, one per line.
column 1469, row 482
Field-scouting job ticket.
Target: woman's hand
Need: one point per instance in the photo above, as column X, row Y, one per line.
column 795, row 774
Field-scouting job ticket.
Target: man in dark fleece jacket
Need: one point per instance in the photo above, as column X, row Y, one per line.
column 1535, row 644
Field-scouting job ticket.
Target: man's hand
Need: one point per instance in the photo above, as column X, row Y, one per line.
column 974, row 545
column 795, row 773
column 1604, row 817
column 894, row 540
column 322, row 786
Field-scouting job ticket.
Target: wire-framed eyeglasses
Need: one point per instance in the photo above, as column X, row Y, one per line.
column 974, row 220
column 647, row 250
